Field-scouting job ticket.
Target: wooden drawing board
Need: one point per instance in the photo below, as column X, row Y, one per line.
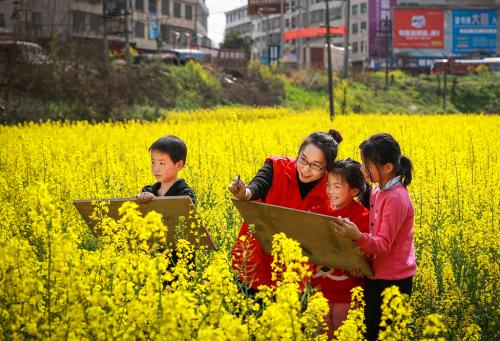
column 313, row 231
column 171, row 208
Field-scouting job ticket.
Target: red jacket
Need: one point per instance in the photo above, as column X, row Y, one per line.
column 255, row 268
column 336, row 284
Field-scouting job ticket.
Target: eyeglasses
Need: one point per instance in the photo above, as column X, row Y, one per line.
column 313, row 166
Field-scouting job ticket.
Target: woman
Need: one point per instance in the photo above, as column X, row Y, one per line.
column 298, row 183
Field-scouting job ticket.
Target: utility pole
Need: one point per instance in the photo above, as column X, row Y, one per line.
column 387, row 30
column 347, row 23
column 128, row 57
column 445, row 81
column 105, row 47
column 282, row 30
column 300, row 41
column 158, row 35
column 329, row 56
column 307, row 23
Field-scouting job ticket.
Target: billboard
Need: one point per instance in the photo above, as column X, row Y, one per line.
column 256, row 7
column 474, row 30
column 379, row 19
column 418, row 28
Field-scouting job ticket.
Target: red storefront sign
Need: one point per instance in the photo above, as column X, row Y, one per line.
column 313, row 32
column 418, row 28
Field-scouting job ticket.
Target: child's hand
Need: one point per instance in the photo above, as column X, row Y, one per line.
column 347, row 229
column 356, row 272
column 145, row 197
column 239, row 189
column 359, row 251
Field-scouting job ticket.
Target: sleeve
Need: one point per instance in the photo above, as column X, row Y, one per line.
column 362, row 221
column 189, row 191
column 262, row 182
column 391, row 220
column 148, row 188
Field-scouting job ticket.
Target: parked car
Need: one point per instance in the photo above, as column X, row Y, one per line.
column 166, row 57
column 13, row 51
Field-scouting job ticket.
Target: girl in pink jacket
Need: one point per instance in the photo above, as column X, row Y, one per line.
column 390, row 237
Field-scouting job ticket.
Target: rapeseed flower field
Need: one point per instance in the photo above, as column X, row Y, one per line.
column 59, row 281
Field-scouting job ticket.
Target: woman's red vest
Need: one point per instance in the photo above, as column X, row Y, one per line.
column 254, row 269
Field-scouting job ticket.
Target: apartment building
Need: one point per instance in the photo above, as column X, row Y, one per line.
column 238, row 20
column 151, row 24
column 265, row 30
column 358, row 32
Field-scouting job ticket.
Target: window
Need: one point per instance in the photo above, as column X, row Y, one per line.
column 335, row 13
column 189, row 12
column 355, row 28
column 354, row 47
column 139, row 5
column 78, row 21
column 2, row 20
column 165, row 33
column 177, row 10
column 153, row 6
column 165, row 7
column 95, row 23
column 139, row 29
column 36, row 20
column 363, row 46
column 355, row 9
column 363, row 7
column 363, row 26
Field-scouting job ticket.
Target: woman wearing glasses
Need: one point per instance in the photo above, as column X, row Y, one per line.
column 298, row 183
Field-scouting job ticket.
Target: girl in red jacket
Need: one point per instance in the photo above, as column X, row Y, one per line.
column 298, row 183
column 345, row 183
column 390, row 236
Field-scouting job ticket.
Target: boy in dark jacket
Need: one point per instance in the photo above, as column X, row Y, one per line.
column 168, row 157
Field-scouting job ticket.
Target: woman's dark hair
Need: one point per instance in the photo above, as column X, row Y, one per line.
column 381, row 149
column 327, row 142
column 349, row 171
column 171, row 145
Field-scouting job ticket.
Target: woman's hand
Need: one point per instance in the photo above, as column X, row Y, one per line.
column 239, row 189
column 144, row 197
column 347, row 229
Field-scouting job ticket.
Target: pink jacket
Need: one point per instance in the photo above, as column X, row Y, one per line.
column 390, row 240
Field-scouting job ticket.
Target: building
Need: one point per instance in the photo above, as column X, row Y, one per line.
column 265, row 30
column 358, row 32
column 237, row 20
column 151, row 24
column 201, row 29
column 460, row 29
column 371, row 31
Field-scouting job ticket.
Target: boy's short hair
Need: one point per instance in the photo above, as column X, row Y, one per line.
column 171, row 145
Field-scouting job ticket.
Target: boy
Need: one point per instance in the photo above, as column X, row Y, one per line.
column 168, row 157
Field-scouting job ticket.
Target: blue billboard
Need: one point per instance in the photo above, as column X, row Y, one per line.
column 474, row 30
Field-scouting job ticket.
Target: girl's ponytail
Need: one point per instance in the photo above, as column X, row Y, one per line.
column 364, row 194
column 405, row 169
